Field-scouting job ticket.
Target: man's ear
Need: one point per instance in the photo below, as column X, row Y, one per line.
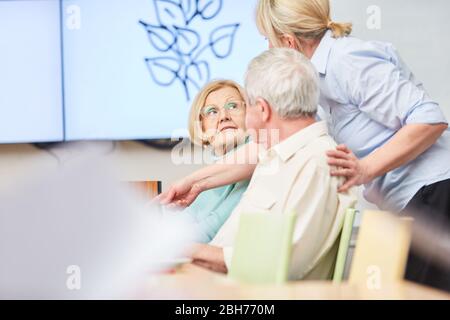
column 265, row 110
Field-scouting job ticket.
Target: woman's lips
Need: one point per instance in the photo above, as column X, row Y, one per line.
column 227, row 128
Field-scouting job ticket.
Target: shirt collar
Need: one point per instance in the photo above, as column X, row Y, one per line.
column 287, row 148
column 320, row 56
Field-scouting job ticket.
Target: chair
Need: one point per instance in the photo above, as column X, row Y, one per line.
column 262, row 248
column 381, row 250
column 344, row 244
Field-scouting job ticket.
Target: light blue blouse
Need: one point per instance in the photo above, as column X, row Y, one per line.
column 213, row 207
column 367, row 95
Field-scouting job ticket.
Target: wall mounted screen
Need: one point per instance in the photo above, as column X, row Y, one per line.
column 132, row 68
column 30, row 72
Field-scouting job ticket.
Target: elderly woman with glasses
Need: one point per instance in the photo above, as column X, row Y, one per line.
column 217, row 122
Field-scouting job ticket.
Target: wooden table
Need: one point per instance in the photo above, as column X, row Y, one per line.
column 194, row 283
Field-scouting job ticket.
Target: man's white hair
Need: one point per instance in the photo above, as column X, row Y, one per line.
column 287, row 80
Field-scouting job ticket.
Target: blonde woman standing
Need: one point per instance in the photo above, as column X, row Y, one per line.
column 393, row 135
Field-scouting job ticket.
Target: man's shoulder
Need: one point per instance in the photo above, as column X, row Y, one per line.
column 315, row 151
column 322, row 143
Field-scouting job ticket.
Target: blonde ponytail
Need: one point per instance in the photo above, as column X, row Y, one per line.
column 340, row 30
column 307, row 19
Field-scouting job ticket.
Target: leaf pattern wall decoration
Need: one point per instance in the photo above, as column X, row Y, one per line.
column 181, row 47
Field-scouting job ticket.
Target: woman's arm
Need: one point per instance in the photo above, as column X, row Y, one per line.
column 406, row 145
column 386, row 92
column 236, row 166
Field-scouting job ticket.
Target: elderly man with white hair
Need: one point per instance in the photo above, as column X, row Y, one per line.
column 292, row 172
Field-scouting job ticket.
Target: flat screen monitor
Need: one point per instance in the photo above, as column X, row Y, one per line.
column 133, row 68
column 31, row 98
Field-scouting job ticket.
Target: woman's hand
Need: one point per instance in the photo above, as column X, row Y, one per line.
column 181, row 194
column 349, row 166
column 406, row 145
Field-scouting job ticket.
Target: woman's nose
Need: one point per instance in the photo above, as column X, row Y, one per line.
column 224, row 115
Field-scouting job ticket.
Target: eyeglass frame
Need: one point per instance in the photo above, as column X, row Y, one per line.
column 203, row 116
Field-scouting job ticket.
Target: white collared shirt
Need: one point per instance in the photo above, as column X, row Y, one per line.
column 295, row 175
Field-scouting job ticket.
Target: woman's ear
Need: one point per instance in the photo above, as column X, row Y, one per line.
column 289, row 41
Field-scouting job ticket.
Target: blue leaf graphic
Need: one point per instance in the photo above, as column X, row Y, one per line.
column 187, row 40
column 189, row 8
column 169, row 13
column 164, row 71
column 172, row 35
column 208, row 9
column 222, row 40
column 198, row 73
column 160, row 37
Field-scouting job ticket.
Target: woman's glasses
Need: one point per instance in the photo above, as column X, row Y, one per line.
column 232, row 108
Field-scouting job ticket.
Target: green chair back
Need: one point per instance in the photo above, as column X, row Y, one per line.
column 344, row 244
column 263, row 248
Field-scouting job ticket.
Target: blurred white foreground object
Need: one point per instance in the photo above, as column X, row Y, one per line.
column 76, row 233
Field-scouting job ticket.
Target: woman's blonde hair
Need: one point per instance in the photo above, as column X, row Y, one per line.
column 195, row 122
column 307, row 19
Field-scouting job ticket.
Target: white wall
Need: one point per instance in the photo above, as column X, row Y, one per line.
column 419, row 29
